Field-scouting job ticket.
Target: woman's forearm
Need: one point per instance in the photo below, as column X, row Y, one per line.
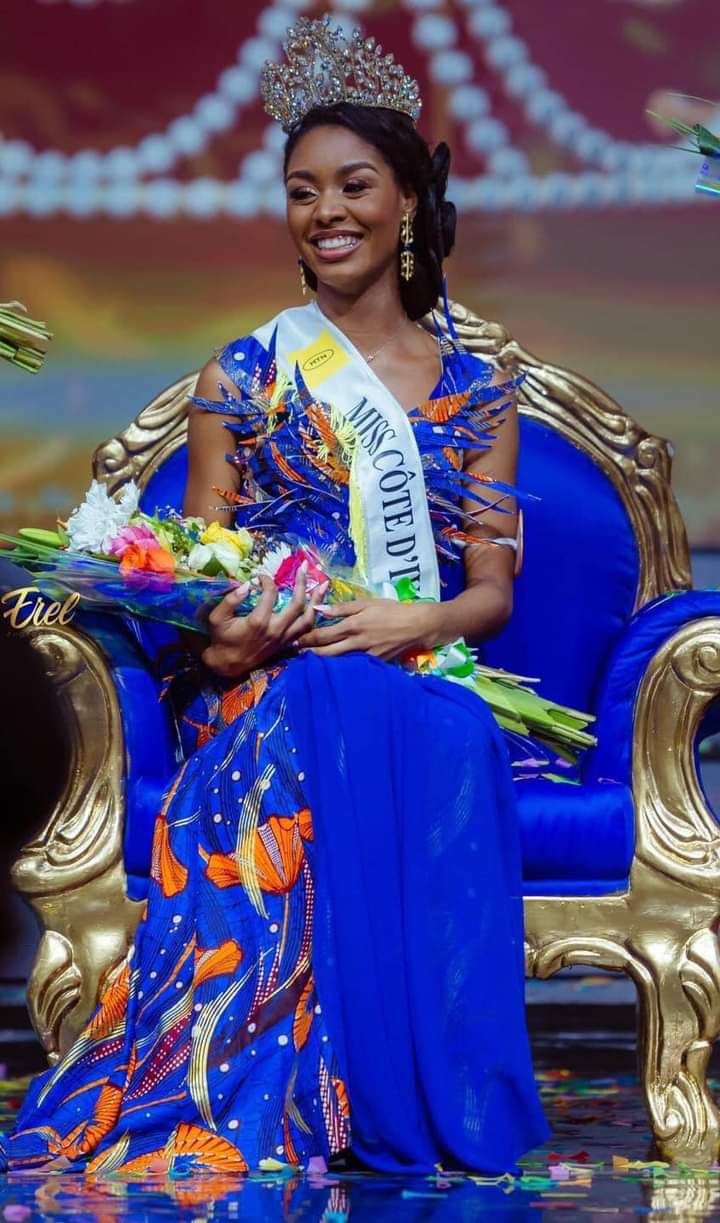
column 479, row 611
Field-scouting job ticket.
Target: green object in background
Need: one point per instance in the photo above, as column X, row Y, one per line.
column 707, row 144
column 19, row 336
column 702, row 141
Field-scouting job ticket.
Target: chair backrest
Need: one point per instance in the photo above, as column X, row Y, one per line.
column 604, row 537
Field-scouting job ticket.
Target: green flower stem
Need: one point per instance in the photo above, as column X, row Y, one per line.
column 18, row 335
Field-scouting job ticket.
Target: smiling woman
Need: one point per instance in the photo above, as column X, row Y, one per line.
column 336, row 868
column 346, row 204
column 391, row 176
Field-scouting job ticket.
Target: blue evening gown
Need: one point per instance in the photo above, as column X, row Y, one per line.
column 331, row 953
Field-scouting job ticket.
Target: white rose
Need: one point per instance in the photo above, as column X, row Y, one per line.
column 198, row 557
column 226, row 556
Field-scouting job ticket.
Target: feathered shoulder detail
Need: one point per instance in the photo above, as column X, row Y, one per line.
column 293, row 450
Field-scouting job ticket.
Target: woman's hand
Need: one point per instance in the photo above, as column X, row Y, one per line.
column 239, row 643
column 382, row 627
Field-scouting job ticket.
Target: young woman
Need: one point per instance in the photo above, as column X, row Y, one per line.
column 332, row 956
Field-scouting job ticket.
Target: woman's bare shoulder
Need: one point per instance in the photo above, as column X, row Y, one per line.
column 229, row 366
column 209, row 446
column 211, row 379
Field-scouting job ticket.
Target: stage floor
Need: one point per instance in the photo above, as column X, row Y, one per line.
column 599, row 1163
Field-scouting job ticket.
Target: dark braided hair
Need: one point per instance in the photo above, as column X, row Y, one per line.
column 397, row 139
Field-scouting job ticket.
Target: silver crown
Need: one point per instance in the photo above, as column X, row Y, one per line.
column 325, row 67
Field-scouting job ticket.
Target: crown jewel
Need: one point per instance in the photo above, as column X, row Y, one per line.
column 325, row 67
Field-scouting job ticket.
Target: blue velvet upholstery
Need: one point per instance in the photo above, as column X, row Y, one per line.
column 569, row 833
column 572, row 626
column 166, row 486
column 642, row 638
column 580, row 573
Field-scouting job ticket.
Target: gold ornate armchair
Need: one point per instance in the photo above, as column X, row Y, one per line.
column 650, row 665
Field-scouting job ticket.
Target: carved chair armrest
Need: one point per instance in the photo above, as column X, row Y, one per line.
column 662, row 680
column 650, row 631
column 662, row 930
column 73, row 873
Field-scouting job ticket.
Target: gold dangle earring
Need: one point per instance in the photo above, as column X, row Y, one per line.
column 407, row 258
column 303, row 281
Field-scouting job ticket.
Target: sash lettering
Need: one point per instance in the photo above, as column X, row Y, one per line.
column 387, row 472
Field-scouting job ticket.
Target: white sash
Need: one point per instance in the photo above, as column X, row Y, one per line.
column 387, row 480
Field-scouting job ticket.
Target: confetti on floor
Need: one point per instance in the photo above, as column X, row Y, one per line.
column 599, row 1163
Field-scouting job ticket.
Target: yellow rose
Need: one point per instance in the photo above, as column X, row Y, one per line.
column 240, row 539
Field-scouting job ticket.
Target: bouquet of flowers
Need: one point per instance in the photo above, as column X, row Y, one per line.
column 176, row 569
column 162, row 566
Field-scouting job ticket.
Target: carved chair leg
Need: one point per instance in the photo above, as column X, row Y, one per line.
column 73, row 873
column 663, row 935
column 87, row 934
column 675, row 891
column 679, row 994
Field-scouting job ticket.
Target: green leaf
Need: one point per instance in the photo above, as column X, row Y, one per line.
column 51, row 539
column 26, row 549
column 675, row 124
column 707, row 143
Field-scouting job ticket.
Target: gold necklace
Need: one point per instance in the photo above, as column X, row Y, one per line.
column 372, row 355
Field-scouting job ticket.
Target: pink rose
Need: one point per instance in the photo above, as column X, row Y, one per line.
column 140, row 534
column 287, row 571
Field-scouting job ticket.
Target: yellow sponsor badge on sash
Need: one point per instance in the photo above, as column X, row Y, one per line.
column 318, row 360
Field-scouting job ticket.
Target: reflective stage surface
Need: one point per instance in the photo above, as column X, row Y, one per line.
column 598, row 1164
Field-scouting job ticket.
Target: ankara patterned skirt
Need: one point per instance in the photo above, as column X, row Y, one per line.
column 331, row 950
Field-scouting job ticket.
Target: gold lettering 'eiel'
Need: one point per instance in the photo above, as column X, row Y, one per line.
column 36, row 615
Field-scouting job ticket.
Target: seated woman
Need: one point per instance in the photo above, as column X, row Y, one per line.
column 331, row 954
